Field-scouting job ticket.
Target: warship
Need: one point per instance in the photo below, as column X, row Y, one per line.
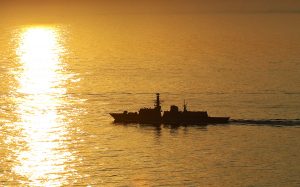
column 174, row 116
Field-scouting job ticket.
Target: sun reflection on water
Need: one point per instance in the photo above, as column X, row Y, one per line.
column 40, row 97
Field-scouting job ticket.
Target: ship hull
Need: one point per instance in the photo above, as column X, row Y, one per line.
column 191, row 117
column 197, row 121
column 174, row 120
column 127, row 118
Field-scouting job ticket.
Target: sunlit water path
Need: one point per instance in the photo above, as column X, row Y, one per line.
column 40, row 149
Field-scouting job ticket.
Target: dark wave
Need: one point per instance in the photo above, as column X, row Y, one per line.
column 279, row 122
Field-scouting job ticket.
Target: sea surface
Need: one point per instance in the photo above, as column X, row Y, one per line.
column 60, row 80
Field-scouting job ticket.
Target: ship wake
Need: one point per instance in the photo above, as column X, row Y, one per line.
column 274, row 122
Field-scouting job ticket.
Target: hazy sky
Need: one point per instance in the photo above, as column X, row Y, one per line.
column 175, row 5
column 53, row 10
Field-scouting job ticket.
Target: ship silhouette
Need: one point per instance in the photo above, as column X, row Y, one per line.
column 174, row 116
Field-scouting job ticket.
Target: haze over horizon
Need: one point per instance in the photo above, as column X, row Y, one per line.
column 41, row 12
column 165, row 6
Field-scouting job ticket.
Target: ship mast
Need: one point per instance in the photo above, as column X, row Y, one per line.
column 157, row 102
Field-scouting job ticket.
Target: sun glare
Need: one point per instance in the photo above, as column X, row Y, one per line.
column 39, row 54
column 41, row 86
